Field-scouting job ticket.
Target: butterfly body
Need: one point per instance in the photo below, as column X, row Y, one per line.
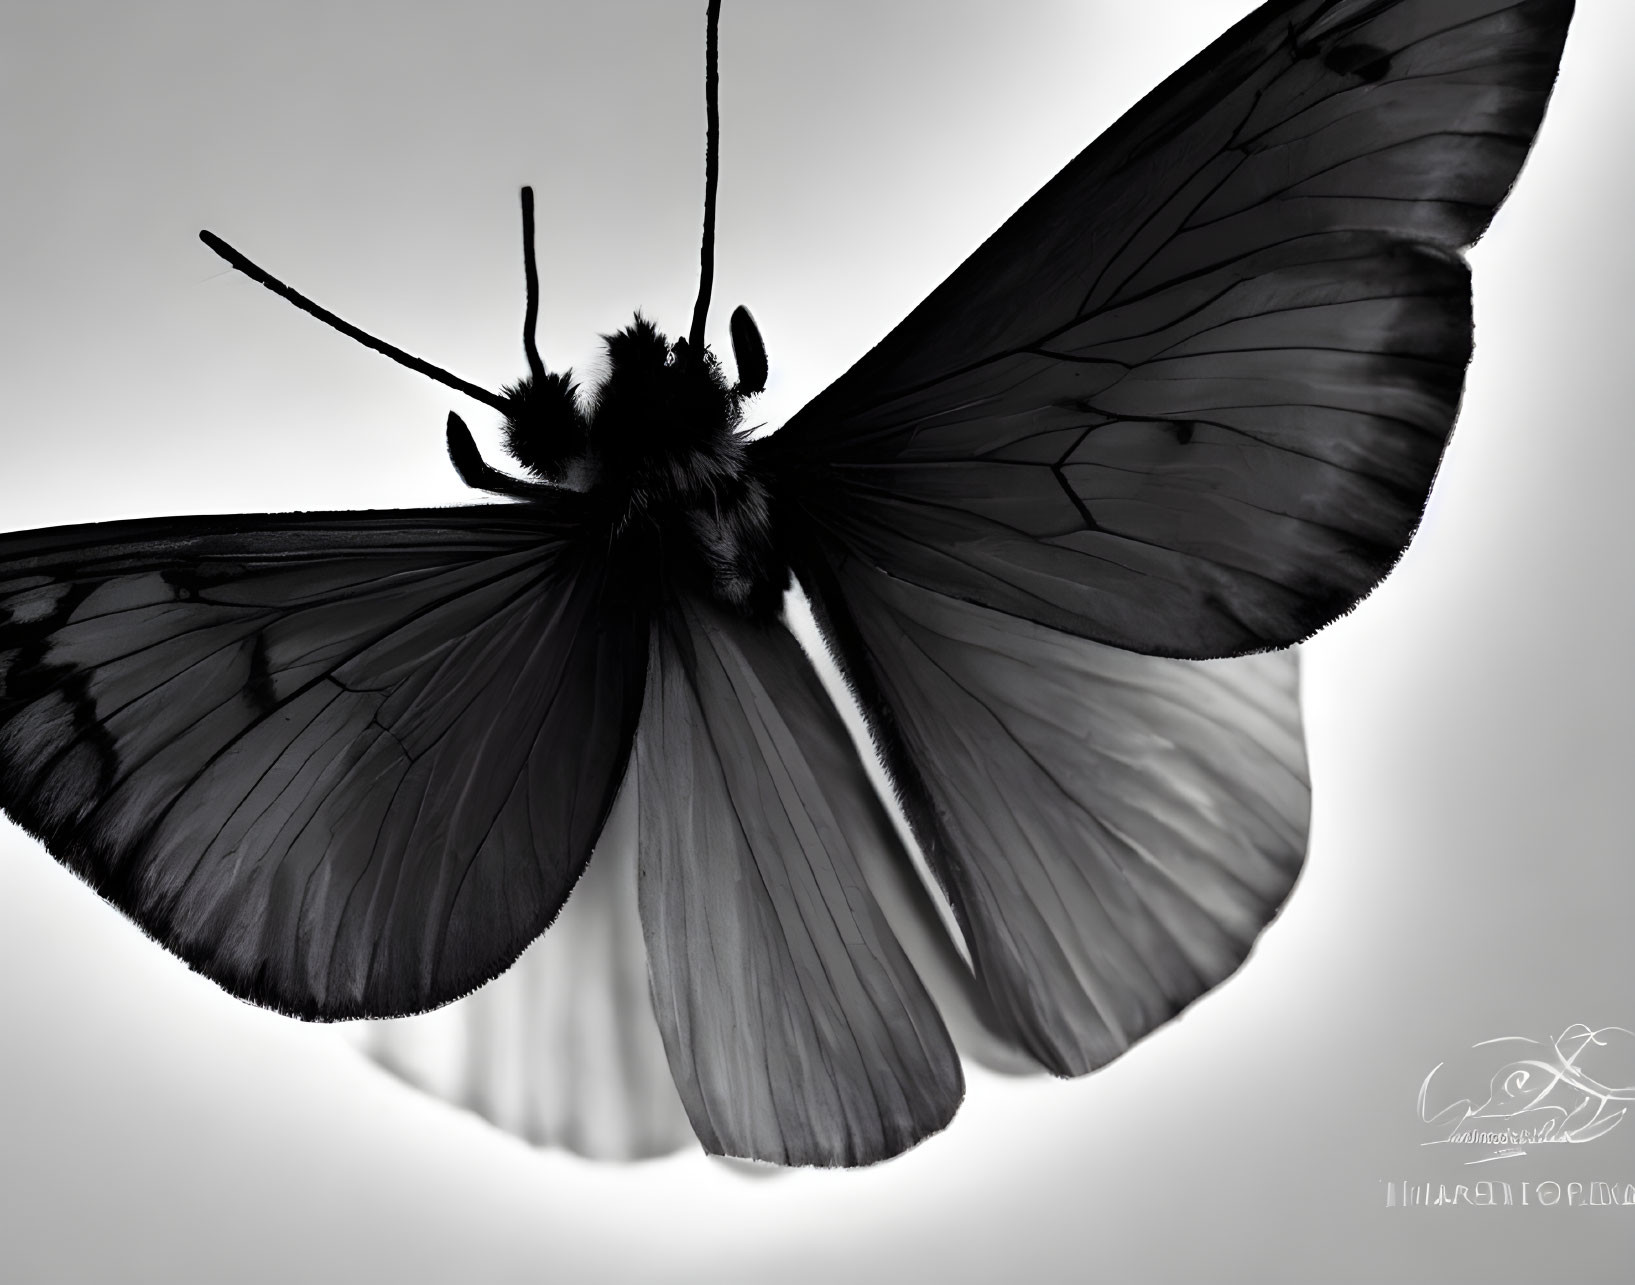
column 658, row 446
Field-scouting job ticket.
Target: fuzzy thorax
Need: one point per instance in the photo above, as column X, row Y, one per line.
column 660, row 437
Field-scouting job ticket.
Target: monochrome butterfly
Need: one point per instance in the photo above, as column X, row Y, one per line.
column 1186, row 405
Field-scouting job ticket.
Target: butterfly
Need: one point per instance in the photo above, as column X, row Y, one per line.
column 1186, row 404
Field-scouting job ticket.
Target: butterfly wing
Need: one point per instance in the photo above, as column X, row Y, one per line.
column 563, row 1049
column 1190, row 399
column 343, row 764
column 796, row 1027
column 1113, row 830
column 1188, row 402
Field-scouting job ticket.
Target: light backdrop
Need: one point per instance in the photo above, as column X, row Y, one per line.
column 1470, row 874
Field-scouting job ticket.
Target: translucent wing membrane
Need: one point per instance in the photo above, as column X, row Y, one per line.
column 1113, row 830
column 343, row 764
column 796, row 1028
column 562, row 1048
column 1190, row 399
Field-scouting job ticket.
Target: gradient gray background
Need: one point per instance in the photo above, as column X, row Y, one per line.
column 1470, row 871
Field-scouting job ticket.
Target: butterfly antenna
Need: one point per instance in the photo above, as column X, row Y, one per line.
column 349, row 330
column 530, row 273
column 712, row 171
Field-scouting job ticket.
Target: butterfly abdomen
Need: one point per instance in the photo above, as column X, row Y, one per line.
column 712, row 515
column 732, row 533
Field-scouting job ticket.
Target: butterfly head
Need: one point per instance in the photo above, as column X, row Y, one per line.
column 659, row 404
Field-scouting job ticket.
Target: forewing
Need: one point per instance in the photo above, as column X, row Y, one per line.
column 1113, row 830
column 796, row 1029
column 1190, row 399
column 343, row 764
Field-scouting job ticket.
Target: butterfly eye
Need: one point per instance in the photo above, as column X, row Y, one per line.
column 670, row 358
